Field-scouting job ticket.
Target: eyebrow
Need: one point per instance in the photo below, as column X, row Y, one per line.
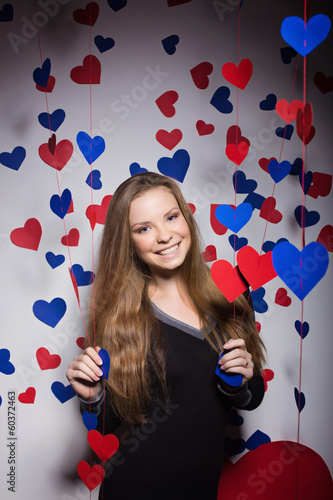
column 147, row 222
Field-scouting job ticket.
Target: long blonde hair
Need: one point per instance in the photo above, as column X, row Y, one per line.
column 121, row 318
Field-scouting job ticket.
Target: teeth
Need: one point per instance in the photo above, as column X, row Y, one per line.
column 169, row 250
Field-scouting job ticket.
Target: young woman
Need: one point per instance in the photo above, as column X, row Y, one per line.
column 164, row 323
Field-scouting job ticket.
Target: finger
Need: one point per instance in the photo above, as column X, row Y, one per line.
column 233, row 343
column 93, row 354
column 83, row 367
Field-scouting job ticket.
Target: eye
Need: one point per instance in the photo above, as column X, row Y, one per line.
column 143, row 229
column 172, row 217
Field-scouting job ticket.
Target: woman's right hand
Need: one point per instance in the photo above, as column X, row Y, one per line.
column 84, row 373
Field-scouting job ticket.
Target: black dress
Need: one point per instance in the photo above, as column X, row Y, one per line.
column 178, row 453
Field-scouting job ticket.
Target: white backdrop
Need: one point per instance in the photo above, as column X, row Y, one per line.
column 51, row 438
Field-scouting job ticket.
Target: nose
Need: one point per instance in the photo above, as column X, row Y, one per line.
column 164, row 235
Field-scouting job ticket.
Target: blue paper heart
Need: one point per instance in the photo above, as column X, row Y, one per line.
column 104, row 44
column 308, row 219
column 300, row 399
column 0, row 400
column 60, row 204
column 82, row 277
column 6, row 366
column 307, row 181
column 14, row 159
column 285, row 132
column 52, row 121
column 257, row 439
column 304, row 38
column 91, row 148
column 117, row 4
column 269, row 103
column 236, row 242
column 259, row 304
column 296, row 167
column 235, row 418
column 94, row 180
column 256, row 200
column 220, row 100
column 50, row 313
column 269, row 245
column 89, row 420
column 287, row 54
column 54, row 260
column 278, row 171
column 7, row 13
column 232, row 379
column 41, row 75
column 104, row 355
column 234, row 446
column 136, row 169
column 243, row 185
column 62, row 393
column 175, row 167
column 302, row 330
column 169, row 44
column 300, row 270
column 234, row 219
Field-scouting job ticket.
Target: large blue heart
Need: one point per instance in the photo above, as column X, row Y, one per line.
column 300, row 270
column 306, row 218
column 54, row 260
column 234, row 218
column 41, row 75
column 103, row 44
column 91, row 148
column 243, row 185
column 278, row 171
column 220, row 100
column 305, row 37
column 82, row 277
column 6, row 366
column 52, row 121
column 50, row 313
column 175, row 167
column 60, row 204
column 62, row 393
column 14, row 159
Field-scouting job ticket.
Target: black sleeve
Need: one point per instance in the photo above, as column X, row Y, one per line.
column 256, row 387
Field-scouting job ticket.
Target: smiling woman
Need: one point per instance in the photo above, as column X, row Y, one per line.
column 164, row 323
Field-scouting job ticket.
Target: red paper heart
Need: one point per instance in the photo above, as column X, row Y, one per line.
column 28, row 236
column 227, row 279
column 80, row 342
column 200, row 74
column 267, row 375
column 169, row 139
column 209, row 253
column 323, row 82
column 49, row 87
column 217, row 227
column 74, row 283
column 91, row 476
column 257, row 269
column 103, row 446
column 192, row 207
column 27, row 397
column 325, row 237
column 237, row 152
column 305, row 130
column 88, row 15
column 62, row 154
column 263, row 163
column 234, row 136
column 52, row 144
column 286, row 111
column 268, row 211
column 204, row 128
column 96, row 213
column 258, row 326
column 321, row 185
column 46, row 360
column 89, row 73
column 238, row 75
column 71, row 239
column 166, row 103
column 282, row 298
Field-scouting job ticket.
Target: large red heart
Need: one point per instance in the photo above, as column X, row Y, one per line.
column 200, row 74
column 227, row 279
column 204, row 128
column 166, row 102
column 62, row 154
column 96, row 213
column 268, row 211
column 71, row 239
column 257, row 269
column 88, row 15
column 103, row 446
column 282, row 298
column 28, row 236
column 89, row 73
column 237, row 152
column 169, row 139
column 91, row 476
column 286, row 111
column 238, row 75
column 234, row 136
column 271, row 471
column 217, row 227
column 321, row 185
column 27, row 397
column 46, row 360
column 325, row 237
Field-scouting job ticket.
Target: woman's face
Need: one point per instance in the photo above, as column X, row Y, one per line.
column 159, row 231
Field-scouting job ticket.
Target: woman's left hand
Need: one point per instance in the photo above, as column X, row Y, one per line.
column 237, row 359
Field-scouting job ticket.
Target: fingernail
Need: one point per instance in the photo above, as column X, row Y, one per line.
column 226, row 346
column 99, row 372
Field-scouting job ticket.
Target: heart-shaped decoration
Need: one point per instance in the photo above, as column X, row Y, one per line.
column 268, row 211
column 282, row 298
column 62, row 154
column 103, row 446
column 200, row 74
column 321, row 185
column 89, row 420
column 323, row 82
column 96, row 213
column 82, row 277
column 257, row 439
column 88, row 73
column 46, row 360
column 88, row 15
column 204, row 128
column 236, row 242
column 304, row 37
column 6, row 366
column 237, row 152
column 267, row 375
column 234, row 136
column 232, row 379
column 220, row 100
column 269, row 245
column 91, row 476
column 209, row 254
column 305, row 130
column 6, row 13
column 105, row 357
column 28, row 236
column 14, row 159
column 269, row 103
column 305, row 180
column 255, row 200
column 259, row 304
column 302, row 328
column 27, row 397
column 325, row 237
column 238, row 75
column 257, row 269
column 54, row 260
column 41, row 75
column 287, row 54
column 227, row 279
column 71, row 239
column 286, row 111
column 169, row 139
column 305, row 218
column 52, row 121
column 234, row 218
column 263, row 163
column 50, row 85
column 299, row 399
column 217, row 227
column 60, row 204
column 243, row 185
column 300, row 270
column 117, row 4
column 175, row 167
column 104, row 44
column 94, row 180
column 63, row 393
column 91, row 148
column 166, row 101
column 285, row 132
column 169, row 44
column 136, row 169
column 278, row 171
column 50, row 313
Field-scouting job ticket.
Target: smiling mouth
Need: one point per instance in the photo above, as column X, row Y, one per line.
column 169, row 250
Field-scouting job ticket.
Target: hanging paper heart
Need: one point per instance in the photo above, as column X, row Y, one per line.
column 227, row 279
column 236, row 242
column 204, row 128
column 305, row 130
column 232, row 379
column 304, row 37
column 263, row 163
column 6, row 13
column 238, row 75
column 282, row 298
column 27, row 397
column 323, row 82
column 88, row 73
column 60, row 204
column 267, row 375
column 287, row 54
column 91, row 476
column 14, row 159
column 52, row 121
column 200, row 74
column 243, row 185
column 96, row 213
column 88, row 15
column 257, row 269
column 54, row 260
column 278, row 171
column 234, row 136
column 82, row 277
column 217, row 227
column 28, row 236
column 220, row 100
column 71, row 239
column 165, row 103
column 321, row 185
column 50, row 313
column 268, row 211
column 300, row 399
column 62, row 154
column 41, row 75
column 89, row 420
column 104, row 355
column 286, row 111
column 257, row 439
column 269, row 245
column 169, row 44
column 237, row 152
column 169, row 139
column 136, row 169
column 94, row 180
column 104, row 44
column 91, row 148
column 234, row 219
column 209, row 254
column 306, row 218
column 269, row 103
column 62, row 393
column 6, row 366
column 50, row 85
column 256, row 200
column 300, row 270
column 325, row 237
column 46, row 360
column 103, row 446
column 285, row 132
column 259, row 304
column 302, row 328
column 305, row 181
column 117, row 4
column 175, row 167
